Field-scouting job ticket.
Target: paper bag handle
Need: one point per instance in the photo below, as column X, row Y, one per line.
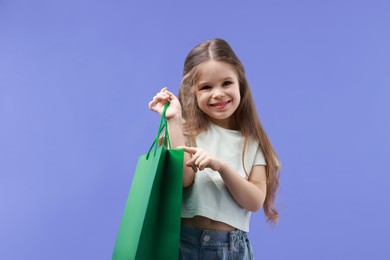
column 163, row 126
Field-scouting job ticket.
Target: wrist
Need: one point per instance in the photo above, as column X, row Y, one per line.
column 221, row 166
column 176, row 119
column 175, row 124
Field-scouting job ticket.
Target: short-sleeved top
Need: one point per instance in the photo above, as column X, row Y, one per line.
column 208, row 196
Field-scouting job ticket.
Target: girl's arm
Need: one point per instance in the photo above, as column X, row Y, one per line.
column 175, row 127
column 248, row 193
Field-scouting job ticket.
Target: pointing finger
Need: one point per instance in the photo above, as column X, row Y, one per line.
column 191, row 150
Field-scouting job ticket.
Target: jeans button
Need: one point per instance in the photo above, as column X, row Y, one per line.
column 206, row 238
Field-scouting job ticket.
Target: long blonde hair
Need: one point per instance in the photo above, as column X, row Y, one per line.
column 245, row 117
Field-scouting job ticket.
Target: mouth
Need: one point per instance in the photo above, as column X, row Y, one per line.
column 220, row 104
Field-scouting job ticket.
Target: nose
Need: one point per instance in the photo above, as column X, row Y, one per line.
column 218, row 94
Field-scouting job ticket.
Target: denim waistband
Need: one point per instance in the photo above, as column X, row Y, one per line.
column 200, row 237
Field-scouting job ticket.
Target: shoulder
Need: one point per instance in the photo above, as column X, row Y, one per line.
column 255, row 151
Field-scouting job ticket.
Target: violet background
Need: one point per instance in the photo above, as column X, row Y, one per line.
column 76, row 78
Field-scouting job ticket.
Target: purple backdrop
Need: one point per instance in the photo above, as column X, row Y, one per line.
column 76, row 77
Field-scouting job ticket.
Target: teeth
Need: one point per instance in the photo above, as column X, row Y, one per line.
column 220, row 104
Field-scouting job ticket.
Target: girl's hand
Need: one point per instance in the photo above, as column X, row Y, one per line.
column 201, row 160
column 159, row 101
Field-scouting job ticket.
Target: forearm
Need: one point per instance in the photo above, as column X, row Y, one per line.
column 175, row 129
column 244, row 192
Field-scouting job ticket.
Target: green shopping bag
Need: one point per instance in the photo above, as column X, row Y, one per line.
column 150, row 226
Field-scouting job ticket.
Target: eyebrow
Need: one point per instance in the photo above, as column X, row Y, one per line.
column 223, row 79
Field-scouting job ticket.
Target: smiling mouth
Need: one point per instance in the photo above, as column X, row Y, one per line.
column 220, row 104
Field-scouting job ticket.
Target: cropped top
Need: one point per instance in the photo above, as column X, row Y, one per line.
column 208, row 196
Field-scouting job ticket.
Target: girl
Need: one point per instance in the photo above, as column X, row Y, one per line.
column 230, row 166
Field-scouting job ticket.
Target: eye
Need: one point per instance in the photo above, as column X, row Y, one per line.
column 205, row 87
column 227, row 83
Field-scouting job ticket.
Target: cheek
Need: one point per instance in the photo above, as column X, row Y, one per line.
column 200, row 99
column 238, row 99
column 237, row 94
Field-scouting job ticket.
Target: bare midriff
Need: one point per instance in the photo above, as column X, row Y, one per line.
column 206, row 224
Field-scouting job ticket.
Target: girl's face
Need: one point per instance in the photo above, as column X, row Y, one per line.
column 218, row 92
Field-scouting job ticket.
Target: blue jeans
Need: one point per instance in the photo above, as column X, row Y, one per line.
column 196, row 244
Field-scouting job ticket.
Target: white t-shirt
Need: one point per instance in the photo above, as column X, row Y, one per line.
column 208, row 195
